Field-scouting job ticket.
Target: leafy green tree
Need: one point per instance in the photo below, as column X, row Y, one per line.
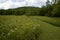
column 56, row 10
column 48, row 8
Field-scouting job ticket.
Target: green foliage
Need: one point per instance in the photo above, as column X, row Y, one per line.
column 52, row 9
column 56, row 10
column 21, row 11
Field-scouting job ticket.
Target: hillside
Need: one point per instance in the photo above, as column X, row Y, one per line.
column 21, row 11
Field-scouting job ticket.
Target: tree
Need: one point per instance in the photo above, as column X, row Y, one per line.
column 54, row 1
column 56, row 10
column 48, row 8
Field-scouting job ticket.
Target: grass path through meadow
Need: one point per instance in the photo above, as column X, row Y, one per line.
column 49, row 31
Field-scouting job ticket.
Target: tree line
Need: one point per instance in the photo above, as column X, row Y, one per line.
column 52, row 9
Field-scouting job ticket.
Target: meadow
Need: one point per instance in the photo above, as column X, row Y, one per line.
column 51, row 20
column 29, row 28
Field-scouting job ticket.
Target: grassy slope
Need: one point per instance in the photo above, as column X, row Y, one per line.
column 27, row 28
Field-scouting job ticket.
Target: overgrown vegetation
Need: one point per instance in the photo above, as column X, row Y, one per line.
column 27, row 28
column 18, row 28
column 51, row 9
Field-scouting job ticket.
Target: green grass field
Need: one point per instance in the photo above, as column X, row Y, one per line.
column 51, row 20
column 29, row 28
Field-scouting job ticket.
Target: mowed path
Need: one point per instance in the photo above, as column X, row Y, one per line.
column 16, row 24
column 49, row 31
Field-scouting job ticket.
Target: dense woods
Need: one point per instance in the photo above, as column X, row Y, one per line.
column 51, row 9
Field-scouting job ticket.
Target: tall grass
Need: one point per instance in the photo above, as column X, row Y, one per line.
column 18, row 28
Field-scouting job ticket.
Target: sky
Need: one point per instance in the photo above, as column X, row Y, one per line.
column 7, row 4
